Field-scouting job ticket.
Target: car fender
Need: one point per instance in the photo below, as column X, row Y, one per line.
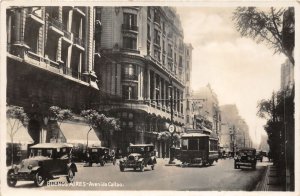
column 141, row 159
column 72, row 166
column 35, row 169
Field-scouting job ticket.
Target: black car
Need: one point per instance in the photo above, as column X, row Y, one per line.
column 245, row 157
column 98, row 154
column 140, row 156
column 46, row 161
column 259, row 156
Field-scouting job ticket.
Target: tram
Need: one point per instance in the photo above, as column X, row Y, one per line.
column 198, row 148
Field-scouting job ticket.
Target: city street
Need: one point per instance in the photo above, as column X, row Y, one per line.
column 220, row 176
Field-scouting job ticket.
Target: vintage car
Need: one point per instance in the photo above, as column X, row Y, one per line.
column 140, row 156
column 245, row 157
column 46, row 161
column 259, row 156
column 98, row 154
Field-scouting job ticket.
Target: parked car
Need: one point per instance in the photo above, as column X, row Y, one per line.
column 98, row 154
column 259, row 155
column 245, row 157
column 47, row 161
column 140, row 156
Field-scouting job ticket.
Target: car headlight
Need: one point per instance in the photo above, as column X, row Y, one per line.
column 136, row 158
column 29, row 167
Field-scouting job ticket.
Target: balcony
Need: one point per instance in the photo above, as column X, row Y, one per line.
column 67, row 34
column 79, row 42
column 56, row 26
column 130, row 28
column 129, row 77
column 130, row 50
column 70, row 72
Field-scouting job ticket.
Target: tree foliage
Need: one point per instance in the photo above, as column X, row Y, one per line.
column 59, row 114
column 275, row 27
column 280, row 127
column 100, row 121
column 16, row 119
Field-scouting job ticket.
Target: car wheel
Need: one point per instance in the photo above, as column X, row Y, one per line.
column 114, row 161
column 71, row 176
column 211, row 162
column 134, row 168
column 11, row 182
column 39, row 179
column 102, row 163
column 122, row 168
column 152, row 167
column 142, row 167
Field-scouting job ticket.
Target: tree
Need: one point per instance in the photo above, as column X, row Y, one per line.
column 275, row 27
column 16, row 118
column 280, row 127
column 100, row 122
column 59, row 115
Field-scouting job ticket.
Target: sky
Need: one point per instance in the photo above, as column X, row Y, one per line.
column 239, row 70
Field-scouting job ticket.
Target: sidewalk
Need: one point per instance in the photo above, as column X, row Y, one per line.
column 270, row 180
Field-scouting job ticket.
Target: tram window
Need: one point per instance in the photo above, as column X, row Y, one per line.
column 184, row 144
column 202, row 144
column 193, row 144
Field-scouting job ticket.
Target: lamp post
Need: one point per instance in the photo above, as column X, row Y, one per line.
column 171, row 127
column 87, row 139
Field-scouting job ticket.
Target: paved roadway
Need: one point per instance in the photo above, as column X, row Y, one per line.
column 220, row 176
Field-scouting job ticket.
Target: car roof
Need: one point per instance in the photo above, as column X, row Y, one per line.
column 247, row 149
column 52, row 145
column 140, row 145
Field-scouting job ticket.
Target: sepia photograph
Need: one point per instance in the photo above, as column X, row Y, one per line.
column 148, row 98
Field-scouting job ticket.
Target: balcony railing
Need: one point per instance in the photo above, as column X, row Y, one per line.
column 129, row 77
column 55, row 23
column 70, row 72
column 127, row 27
column 66, row 33
column 77, row 40
column 130, row 50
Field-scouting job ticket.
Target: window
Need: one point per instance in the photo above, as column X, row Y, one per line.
column 148, row 32
column 129, row 92
column 149, row 12
column 148, row 48
column 156, row 37
column 202, row 142
column 193, row 144
column 170, row 51
column 184, row 144
column 129, row 20
column 129, row 72
column 156, row 17
column 130, row 43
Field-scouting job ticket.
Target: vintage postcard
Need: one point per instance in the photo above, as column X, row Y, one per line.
column 174, row 96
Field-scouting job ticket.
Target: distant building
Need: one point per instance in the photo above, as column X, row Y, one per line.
column 235, row 130
column 206, row 109
column 287, row 75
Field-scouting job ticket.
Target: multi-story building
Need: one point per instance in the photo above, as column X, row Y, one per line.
column 141, row 66
column 50, row 56
column 287, row 75
column 206, row 109
column 235, row 131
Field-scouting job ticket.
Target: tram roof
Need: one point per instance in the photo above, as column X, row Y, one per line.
column 194, row 135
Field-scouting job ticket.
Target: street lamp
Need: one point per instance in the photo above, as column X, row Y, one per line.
column 87, row 139
column 171, row 127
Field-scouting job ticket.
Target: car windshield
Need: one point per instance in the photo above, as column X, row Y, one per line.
column 246, row 152
column 140, row 149
column 49, row 152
